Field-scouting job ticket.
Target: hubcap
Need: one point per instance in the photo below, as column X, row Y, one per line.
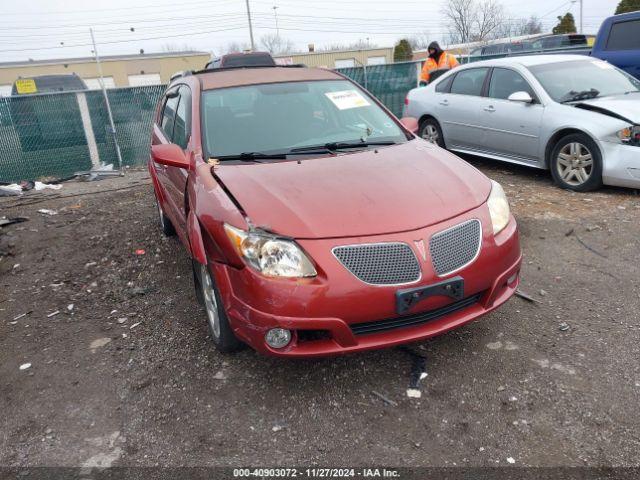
column 430, row 133
column 210, row 303
column 574, row 163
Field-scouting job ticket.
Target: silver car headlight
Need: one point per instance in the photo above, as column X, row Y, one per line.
column 498, row 208
column 270, row 255
column 629, row 135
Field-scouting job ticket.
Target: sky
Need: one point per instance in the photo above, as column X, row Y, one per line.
column 41, row 29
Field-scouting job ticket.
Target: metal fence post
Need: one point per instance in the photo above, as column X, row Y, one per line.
column 106, row 100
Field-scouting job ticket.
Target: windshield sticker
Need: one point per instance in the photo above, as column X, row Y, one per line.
column 603, row 65
column 347, row 99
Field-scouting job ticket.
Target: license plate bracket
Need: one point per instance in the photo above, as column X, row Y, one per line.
column 408, row 297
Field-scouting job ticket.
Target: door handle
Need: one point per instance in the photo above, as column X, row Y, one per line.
column 444, row 102
column 490, row 108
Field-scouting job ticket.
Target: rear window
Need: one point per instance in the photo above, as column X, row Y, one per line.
column 624, row 36
column 469, row 82
column 248, row 61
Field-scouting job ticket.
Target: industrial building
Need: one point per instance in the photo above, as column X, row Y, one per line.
column 118, row 70
column 339, row 58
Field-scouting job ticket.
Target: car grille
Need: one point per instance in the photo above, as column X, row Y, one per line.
column 455, row 247
column 413, row 320
column 380, row 263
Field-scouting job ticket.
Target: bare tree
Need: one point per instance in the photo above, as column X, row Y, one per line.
column 276, row 45
column 174, row 47
column 235, row 47
column 520, row 27
column 473, row 20
column 460, row 15
column 489, row 15
column 358, row 45
column 420, row 41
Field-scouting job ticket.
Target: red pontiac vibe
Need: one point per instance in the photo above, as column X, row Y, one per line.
column 317, row 222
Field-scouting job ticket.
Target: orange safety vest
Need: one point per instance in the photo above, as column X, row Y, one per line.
column 446, row 61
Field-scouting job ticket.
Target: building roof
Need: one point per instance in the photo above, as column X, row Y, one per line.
column 331, row 52
column 105, row 58
column 236, row 77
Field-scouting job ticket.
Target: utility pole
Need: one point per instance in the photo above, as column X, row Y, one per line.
column 581, row 1
column 275, row 14
column 253, row 45
column 106, row 101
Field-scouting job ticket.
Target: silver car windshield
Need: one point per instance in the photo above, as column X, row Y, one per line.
column 582, row 79
column 278, row 117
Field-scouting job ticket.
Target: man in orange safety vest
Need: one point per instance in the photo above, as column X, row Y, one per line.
column 438, row 59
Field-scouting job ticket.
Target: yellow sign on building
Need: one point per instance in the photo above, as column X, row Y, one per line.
column 26, row 85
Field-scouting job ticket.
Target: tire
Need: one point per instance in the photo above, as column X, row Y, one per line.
column 576, row 163
column 431, row 132
column 207, row 292
column 165, row 224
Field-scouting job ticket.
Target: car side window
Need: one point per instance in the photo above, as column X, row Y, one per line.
column 182, row 127
column 504, row 82
column 469, row 82
column 624, row 36
column 168, row 116
column 445, row 85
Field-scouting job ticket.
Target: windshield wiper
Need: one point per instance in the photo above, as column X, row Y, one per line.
column 333, row 146
column 574, row 96
column 254, row 156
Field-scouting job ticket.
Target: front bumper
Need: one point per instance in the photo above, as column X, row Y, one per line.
column 321, row 312
column 621, row 164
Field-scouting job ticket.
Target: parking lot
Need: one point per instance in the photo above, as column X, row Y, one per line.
column 124, row 374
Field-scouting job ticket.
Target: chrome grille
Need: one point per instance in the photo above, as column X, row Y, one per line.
column 455, row 247
column 380, row 263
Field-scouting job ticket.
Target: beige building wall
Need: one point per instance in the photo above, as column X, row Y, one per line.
column 119, row 68
column 328, row 59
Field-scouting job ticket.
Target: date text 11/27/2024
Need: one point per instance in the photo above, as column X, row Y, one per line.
column 316, row 473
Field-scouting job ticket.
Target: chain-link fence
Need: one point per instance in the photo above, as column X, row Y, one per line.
column 389, row 83
column 59, row 134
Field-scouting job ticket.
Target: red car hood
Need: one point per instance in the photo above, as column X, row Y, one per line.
column 400, row 188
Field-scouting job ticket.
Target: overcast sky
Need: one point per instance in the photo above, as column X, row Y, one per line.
column 41, row 29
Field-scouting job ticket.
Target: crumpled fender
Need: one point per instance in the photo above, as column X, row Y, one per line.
column 196, row 245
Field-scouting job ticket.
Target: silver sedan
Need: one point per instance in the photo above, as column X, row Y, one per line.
column 574, row 115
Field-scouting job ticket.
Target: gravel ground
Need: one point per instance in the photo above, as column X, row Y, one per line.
column 125, row 375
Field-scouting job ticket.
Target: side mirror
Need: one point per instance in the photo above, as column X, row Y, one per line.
column 410, row 124
column 522, row 97
column 170, row 155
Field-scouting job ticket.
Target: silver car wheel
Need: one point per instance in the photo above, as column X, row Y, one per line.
column 574, row 164
column 430, row 133
column 210, row 302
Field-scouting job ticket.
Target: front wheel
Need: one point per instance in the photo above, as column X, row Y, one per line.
column 165, row 224
column 431, row 132
column 221, row 333
column 576, row 163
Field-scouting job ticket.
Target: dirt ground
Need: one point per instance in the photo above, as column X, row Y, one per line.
column 124, row 374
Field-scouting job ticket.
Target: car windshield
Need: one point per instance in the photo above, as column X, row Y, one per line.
column 581, row 79
column 278, row 117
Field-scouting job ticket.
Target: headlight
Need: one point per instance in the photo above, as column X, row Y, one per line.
column 630, row 135
column 498, row 207
column 269, row 255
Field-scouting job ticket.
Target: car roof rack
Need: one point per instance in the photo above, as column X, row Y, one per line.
column 241, row 67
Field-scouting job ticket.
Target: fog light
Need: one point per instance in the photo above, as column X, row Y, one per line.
column 512, row 279
column 278, row 337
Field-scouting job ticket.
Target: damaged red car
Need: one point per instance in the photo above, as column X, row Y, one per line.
column 316, row 221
